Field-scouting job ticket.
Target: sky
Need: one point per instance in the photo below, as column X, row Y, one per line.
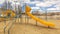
column 45, row 4
column 41, row 5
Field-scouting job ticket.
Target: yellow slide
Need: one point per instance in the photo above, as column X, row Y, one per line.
column 28, row 9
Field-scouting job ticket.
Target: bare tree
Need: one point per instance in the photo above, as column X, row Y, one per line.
column 6, row 5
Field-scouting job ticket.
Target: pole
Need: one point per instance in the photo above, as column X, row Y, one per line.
column 46, row 14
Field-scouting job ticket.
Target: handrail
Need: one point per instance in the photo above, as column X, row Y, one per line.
column 6, row 27
column 11, row 26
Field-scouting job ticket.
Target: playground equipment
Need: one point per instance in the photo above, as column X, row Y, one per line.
column 8, row 13
column 4, row 24
column 28, row 9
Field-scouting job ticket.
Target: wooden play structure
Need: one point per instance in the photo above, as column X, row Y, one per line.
column 9, row 13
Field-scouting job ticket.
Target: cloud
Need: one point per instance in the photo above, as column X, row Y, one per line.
column 35, row 8
column 49, row 5
column 1, row 1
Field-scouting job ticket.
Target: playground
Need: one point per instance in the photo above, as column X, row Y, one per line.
column 28, row 23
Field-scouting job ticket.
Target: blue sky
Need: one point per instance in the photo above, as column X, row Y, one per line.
column 1, row 5
column 43, row 5
column 37, row 0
